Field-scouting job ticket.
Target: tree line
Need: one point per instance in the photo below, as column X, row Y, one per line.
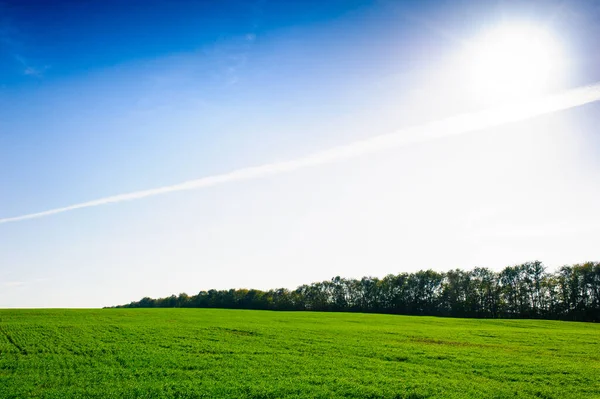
column 522, row 291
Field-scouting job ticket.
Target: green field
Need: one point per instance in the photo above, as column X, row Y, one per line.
column 213, row 353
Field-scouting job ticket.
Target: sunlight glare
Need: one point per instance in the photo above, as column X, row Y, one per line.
column 514, row 62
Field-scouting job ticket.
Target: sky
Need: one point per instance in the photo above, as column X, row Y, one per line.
column 103, row 98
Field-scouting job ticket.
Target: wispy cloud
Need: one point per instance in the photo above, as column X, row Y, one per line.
column 235, row 54
column 456, row 125
column 10, row 40
column 28, row 69
column 20, row 283
column 31, row 71
column 233, row 57
column 516, row 231
column 13, row 283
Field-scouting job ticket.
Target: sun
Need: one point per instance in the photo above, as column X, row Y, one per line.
column 514, row 61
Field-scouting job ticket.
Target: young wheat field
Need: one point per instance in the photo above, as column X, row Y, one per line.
column 215, row 353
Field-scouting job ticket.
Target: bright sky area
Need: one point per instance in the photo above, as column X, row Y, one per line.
column 101, row 98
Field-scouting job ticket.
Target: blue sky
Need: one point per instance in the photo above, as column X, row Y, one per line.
column 104, row 98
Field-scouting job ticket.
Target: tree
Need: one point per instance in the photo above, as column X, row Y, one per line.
column 526, row 290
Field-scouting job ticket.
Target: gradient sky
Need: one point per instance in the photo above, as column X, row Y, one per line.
column 99, row 98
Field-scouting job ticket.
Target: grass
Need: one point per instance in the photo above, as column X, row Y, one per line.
column 214, row 353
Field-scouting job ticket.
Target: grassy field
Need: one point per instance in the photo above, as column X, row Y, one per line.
column 193, row 353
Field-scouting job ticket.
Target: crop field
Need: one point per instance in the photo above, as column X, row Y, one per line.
column 214, row 353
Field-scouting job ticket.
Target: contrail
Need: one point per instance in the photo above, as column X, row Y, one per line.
column 446, row 127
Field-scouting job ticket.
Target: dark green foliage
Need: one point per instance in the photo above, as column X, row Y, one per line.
column 522, row 291
column 218, row 353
